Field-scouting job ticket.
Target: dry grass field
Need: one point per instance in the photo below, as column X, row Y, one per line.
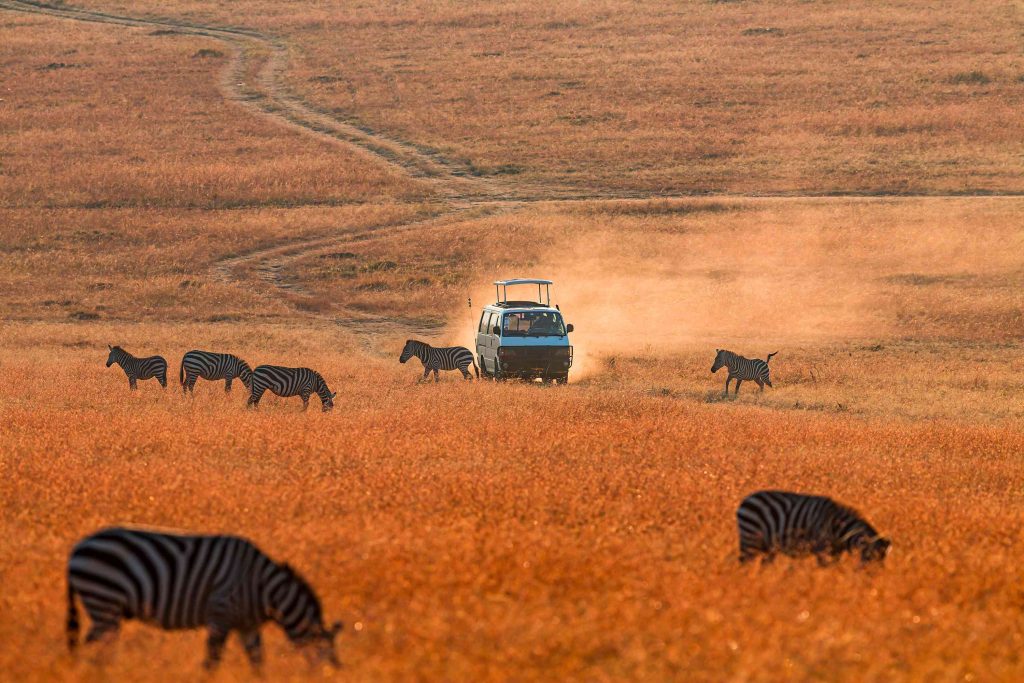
column 670, row 96
column 282, row 197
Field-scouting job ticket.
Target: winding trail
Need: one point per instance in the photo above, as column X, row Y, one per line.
column 252, row 78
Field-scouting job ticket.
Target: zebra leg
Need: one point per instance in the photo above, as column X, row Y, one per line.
column 253, row 647
column 426, row 374
column 105, row 616
column 747, row 553
column 215, row 645
column 738, row 383
column 466, row 374
column 760, row 384
column 227, row 384
column 132, row 385
column 727, row 380
column 436, row 378
column 254, row 398
column 305, row 400
column 162, row 378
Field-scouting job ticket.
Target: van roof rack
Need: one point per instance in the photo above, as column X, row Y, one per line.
column 520, row 304
column 501, row 289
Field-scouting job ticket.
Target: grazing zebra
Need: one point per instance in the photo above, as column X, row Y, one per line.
column 440, row 358
column 290, row 382
column 138, row 368
column 741, row 368
column 795, row 524
column 224, row 583
column 213, row 366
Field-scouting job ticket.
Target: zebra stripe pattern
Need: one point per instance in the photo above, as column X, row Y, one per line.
column 213, row 366
column 440, row 358
column 773, row 522
column 741, row 368
column 223, row 583
column 290, row 382
column 138, row 368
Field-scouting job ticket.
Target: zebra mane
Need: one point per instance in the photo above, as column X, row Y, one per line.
column 295, row 578
column 849, row 516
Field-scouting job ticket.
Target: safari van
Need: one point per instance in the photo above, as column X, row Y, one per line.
column 524, row 338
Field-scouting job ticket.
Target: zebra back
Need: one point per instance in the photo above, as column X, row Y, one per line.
column 795, row 523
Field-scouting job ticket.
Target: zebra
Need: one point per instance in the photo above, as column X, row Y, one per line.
column 741, row 368
column 176, row 581
column 440, row 358
column 796, row 524
column 208, row 365
column 138, row 368
column 290, row 382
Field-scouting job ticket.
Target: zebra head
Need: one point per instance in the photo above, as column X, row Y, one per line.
column 114, row 352
column 409, row 351
column 328, row 403
column 719, row 360
column 293, row 604
column 875, row 549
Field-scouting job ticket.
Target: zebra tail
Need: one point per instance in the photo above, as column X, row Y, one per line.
column 476, row 369
column 181, row 373
column 72, row 626
column 770, row 356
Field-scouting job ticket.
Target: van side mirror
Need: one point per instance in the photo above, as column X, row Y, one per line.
column 496, row 330
column 568, row 328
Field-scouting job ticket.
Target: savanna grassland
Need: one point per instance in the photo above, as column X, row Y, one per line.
column 663, row 96
column 342, row 178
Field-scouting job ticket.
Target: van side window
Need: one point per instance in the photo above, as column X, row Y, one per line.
column 492, row 322
column 484, row 318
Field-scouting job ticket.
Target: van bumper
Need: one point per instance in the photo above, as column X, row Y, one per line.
column 531, row 362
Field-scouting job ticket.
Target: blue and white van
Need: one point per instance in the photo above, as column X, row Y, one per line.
column 524, row 338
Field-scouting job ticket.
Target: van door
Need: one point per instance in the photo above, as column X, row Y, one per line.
column 485, row 347
column 493, row 342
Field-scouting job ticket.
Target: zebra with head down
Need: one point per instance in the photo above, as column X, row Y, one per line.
column 213, row 366
column 184, row 581
column 772, row 522
column 282, row 381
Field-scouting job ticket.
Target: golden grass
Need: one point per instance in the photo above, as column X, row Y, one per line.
column 470, row 530
column 671, row 96
column 108, row 116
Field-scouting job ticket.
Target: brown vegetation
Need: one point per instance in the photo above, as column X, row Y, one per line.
column 668, row 96
column 474, row 531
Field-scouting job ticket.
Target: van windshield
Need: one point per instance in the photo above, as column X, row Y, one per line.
column 533, row 324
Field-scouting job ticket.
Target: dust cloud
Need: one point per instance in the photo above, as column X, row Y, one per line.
column 756, row 278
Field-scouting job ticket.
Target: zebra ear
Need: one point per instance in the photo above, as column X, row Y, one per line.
column 334, row 394
column 109, row 347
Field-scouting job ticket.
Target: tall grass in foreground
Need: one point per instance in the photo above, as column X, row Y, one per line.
column 471, row 530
